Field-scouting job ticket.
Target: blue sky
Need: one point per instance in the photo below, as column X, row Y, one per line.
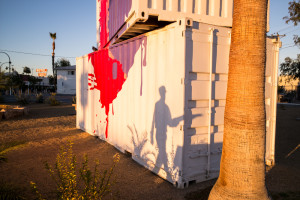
column 279, row 9
column 25, row 27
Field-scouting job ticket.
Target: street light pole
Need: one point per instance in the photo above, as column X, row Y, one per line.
column 1, row 66
column 9, row 63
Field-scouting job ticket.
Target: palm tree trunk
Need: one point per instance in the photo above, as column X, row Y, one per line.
column 242, row 171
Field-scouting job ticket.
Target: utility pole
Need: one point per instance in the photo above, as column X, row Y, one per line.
column 53, row 36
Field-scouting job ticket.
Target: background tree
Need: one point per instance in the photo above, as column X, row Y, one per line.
column 52, row 80
column 33, row 81
column 62, row 63
column 26, row 70
column 4, row 79
column 242, row 169
column 294, row 17
column 17, row 81
column 291, row 68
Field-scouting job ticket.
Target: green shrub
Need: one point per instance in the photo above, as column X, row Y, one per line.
column 77, row 184
column 39, row 98
column 52, row 100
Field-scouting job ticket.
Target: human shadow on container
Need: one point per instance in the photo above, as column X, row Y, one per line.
column 161, row 120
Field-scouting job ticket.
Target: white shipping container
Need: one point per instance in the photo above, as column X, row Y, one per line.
column 169, row 112
column 127, row 18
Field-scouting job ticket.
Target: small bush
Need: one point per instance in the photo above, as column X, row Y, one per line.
column 77, row 184
column 22, row 99
column 280, row 89
column 52, row 100
column 39, row 98
column 74, row 100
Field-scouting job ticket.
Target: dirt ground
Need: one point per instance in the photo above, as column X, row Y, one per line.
column 46, row 128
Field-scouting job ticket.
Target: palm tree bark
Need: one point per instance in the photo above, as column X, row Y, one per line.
column 242, row 170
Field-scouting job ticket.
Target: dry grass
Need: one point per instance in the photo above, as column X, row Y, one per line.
column 46, row 128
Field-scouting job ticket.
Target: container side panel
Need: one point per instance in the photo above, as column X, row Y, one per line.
column 143, row 118
column 207, row 51
column 271, row 97
column 79, row 92
column 119, row 12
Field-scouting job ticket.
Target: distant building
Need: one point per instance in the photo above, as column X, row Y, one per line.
column 66, row 80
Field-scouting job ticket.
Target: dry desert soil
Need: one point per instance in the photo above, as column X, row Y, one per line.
column 39, row 135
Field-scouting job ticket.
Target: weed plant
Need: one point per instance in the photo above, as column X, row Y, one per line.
column 10, row 192
column 79, row 184
column 6, row 147
column 22, row 99
column 39, row 98
column 52, row 100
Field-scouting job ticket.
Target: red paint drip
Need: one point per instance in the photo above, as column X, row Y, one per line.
column 103, row 19
column 108, row 85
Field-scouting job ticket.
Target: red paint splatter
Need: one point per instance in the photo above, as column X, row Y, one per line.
column 108, row 87
column 104, row 80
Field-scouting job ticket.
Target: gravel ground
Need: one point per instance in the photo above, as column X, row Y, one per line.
column 46, row 128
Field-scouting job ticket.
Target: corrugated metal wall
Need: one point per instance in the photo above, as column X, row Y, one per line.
column 119, row 12
column 163, row 113
column 203, row 150
column 272, row 64
column 206, row 83
column 144, row 119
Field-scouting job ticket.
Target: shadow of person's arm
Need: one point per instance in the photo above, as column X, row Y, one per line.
column 175, row 121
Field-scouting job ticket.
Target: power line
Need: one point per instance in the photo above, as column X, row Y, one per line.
column 288, row 46
column 288, row 27
column 35, row 54
column 292, row 31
